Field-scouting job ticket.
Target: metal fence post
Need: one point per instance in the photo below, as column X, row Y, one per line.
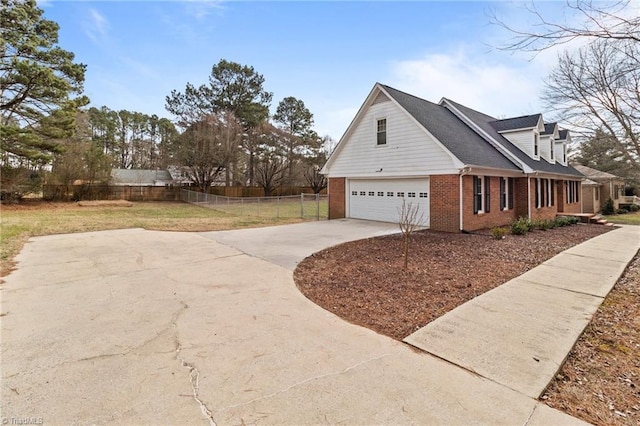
column 317, row 206
column 302, row 205
column 278, row 207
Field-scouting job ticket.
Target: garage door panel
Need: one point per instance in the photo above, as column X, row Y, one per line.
column 381, row 199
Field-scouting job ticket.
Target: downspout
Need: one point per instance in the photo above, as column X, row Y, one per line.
column 529, row 197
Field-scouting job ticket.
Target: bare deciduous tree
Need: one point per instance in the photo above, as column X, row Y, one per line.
column 410, row 218
column 597, row 87
column 207, row 147
column 608, row 20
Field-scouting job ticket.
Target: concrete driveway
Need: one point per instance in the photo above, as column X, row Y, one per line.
column 146, row 327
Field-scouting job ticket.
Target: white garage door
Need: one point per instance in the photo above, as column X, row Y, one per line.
column 380, row 199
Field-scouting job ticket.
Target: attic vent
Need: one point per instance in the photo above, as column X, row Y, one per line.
column 380, row 98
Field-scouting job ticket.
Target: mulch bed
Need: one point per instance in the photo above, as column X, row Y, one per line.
column 364, row 281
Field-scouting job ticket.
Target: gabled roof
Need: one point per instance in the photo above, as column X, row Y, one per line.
column 457, row 137
column 139, row 176
column 595, row 174
column 523, row 122
column 483, row 122
column 549, row 128
column 563, row 135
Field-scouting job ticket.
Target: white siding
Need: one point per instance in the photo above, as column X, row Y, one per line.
column 409, row 150
column 546, row 147
column 559, row 146
column 523, row 140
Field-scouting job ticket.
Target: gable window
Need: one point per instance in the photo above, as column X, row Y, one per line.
column 481, row 194
column 552, row 154
column 564, row 153
column 536, row 145
column 381, row 130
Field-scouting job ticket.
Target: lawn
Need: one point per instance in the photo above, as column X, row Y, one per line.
column 625, row 219
column 32, row 218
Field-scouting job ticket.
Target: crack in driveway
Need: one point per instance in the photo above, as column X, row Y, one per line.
column 302, row 382
column 194, row 374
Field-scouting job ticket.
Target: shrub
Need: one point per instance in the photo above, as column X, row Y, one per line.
column 573, row 220
column 521, row 226
column 634, row 208
column 562, row 221
column 542, row 224
column 607, row 208
column 622, row 211
column 499, row 232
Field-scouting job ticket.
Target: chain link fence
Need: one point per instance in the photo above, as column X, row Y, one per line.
column 305, row 206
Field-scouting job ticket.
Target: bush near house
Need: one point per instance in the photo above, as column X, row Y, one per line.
column 608, row 207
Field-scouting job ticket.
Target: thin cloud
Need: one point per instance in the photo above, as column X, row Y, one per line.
column 477, row 82
column 200, row 9
column 96, row 26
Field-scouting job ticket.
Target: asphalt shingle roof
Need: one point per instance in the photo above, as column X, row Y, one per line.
column 548, row 128
column 139, row 176
column 483, row 121
column 467, row 145
column 595, row 174
column 562, row 134
column 524, row 122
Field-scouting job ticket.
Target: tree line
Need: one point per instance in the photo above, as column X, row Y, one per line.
column 222, row 131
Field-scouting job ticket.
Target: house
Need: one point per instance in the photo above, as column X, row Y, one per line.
column 140, row 177
column 604, row 186
column 465, row 169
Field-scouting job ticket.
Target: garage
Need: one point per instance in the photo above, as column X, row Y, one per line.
column 380, row 199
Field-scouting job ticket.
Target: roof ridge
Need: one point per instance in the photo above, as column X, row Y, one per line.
column 515, row 118
column 407, row 94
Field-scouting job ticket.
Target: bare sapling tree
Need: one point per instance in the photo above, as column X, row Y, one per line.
column 410, row 218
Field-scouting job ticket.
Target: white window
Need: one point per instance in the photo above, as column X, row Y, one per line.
column 536, row 145
column 381, row 131
column 481, row 194
column 564, row 153
column 552, row 154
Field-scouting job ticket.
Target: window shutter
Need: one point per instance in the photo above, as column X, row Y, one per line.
column 537, row 197
column 511, row 194
column 487, row 194
column 553, row 192
column 503, row 193
column 476, row 207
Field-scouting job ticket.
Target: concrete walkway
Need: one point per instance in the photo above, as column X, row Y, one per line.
column 145, row 327
column 520, row 333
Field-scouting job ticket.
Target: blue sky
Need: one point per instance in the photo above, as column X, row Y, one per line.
column 328, row 53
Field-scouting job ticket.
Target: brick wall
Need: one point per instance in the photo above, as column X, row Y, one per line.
column 546, row 212
column 337, row 198
column 562, row 204
column 521, row 200
column 495, row 217
column 444, row 204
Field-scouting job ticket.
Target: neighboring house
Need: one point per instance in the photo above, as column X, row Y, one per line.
column 465, row 169
column 138, row 177
column 609, row 186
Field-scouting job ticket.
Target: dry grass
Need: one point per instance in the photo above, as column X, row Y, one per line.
column 19, row 222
